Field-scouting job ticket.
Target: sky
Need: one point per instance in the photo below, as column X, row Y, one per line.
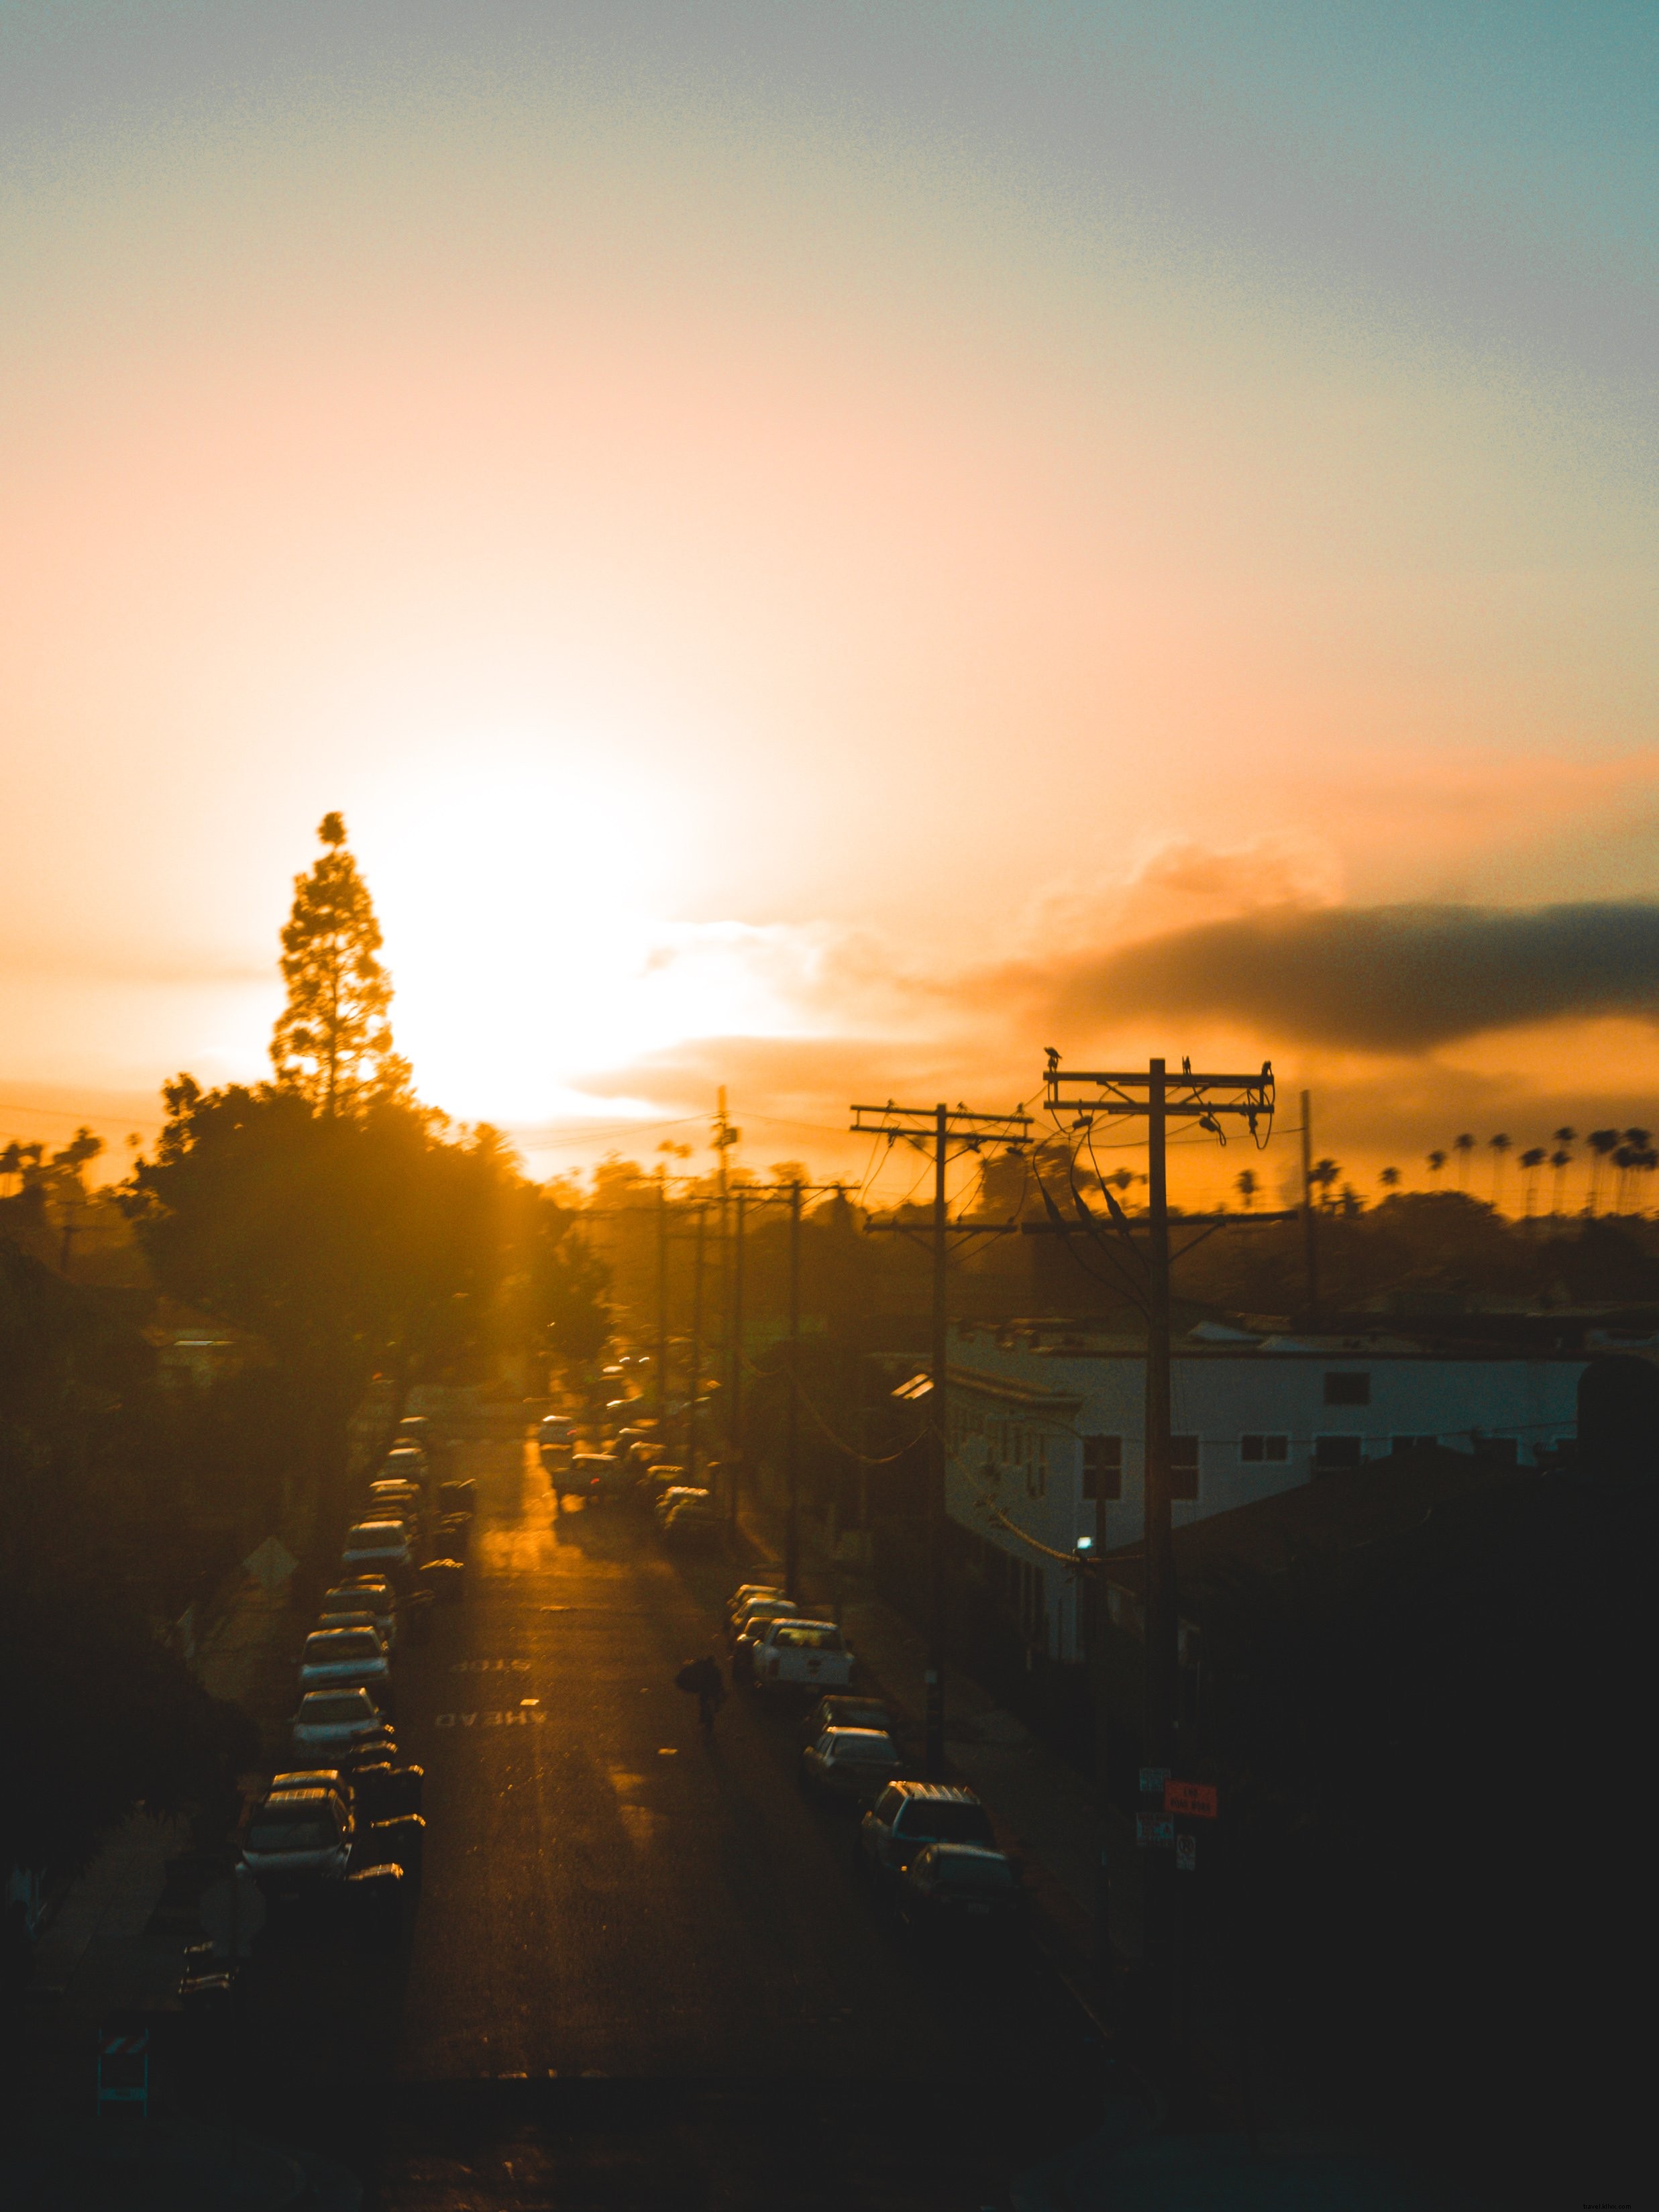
column 829, row 548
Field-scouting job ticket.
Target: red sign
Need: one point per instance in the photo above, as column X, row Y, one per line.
column 1197, row 1800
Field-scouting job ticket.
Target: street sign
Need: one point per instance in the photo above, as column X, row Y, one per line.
column 233, row 1911
column 1155, row 1831
column 1196, row 1800
column 1186, row 1854
column 1154, row 1780
column 270, row 1563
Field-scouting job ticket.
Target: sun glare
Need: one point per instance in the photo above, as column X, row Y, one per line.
column 530, row 931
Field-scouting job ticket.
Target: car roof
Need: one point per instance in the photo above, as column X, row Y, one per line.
column 966, row 1854
column 861, row 1735
column 937, row 1793
column 341, row 1629
column 372, row 1527
column 301, row 1799
column 322, row 1778
column 340, row 1690
column 803, row 1621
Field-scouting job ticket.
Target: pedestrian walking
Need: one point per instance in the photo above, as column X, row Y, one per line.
column 701, row 1678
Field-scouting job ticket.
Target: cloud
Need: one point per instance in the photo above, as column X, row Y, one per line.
column 1390, row 979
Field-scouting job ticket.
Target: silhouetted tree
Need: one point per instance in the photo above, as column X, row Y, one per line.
column 1531, row 1161
column 1248, row 1185
column 332, row 1042
column 1390, row 1178
column 1603, row 1142
column 1463, row 1145
column 1561, row 1160
column 1498, row 1147
column 1437, row 1161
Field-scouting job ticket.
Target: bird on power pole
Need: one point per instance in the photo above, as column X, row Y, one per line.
column 1159, row 1097
column 939, row 1128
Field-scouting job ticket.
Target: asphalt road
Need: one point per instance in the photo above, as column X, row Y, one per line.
column 645, row 1970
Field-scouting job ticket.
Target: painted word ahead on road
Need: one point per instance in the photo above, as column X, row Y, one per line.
column 1196, row 1801
column 516, row 1716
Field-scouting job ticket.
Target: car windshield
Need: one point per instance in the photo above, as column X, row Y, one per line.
column 375, row 1533
column 947, row 1823
column 810, row 1638
column 310, row 1834
column 342, row 1643
column 972, row 1870
column 326, row 1706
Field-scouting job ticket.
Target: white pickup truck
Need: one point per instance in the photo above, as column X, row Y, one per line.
column 801, row 1655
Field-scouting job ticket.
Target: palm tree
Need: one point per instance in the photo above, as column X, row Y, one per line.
column 1247, row 1186
column 1437, row 1161
column 1390, row 1178
column 1530, row 1163
column 1635, row 1143
column 1497, row 1146
column 1602, row 1142
column 1561, row 1162
column 1646, row 1162
column 1321, row 1175
column 1464, row 1147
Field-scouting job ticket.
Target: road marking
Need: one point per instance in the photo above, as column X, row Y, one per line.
column 517, row 1716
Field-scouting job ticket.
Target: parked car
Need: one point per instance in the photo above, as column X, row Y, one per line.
column 329, row 1720
column 659, row 1476
column 358, row 1619
column 346, row 1655
column 408, row 1459
column 461, row 1496
column 676, row 1496
column 333, row 1779
column 948, row 1887
column 555, row 1432
column 745, row 1591
column 454, row 1535
column 381, row 1545
column 299, row 1835
column 394, row 1491
column 694, row 1525
column 415, row 1429
column 854, row 1763
column 752, row 1615
column 383, row 1788
column 907, row 1816
column 445, row 1579
column 801, row 1655
column 849, row 1712
column 583, row 1475
column 747, row 1633
column 367, row 1593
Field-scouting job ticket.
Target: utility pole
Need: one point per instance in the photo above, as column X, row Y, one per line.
column 1159, row 1097
column 1310, row 1219
column 734, row 1383
column 792, row 1524
column 662, row 1309
column 724, row 1138
column 691, row 1438
column 936, row 1127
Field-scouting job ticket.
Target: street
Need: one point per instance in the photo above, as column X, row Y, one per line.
column 645, row 1969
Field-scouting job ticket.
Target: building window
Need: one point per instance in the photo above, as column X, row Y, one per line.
column 1347, row 1389
column 1184, row 1466
column 1102, row 1467
column 1257, row 1449
column 1335, row 1454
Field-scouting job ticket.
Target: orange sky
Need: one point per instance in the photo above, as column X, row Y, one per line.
column 748, row 564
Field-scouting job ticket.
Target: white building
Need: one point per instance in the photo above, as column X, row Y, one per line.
column 1043, row 1421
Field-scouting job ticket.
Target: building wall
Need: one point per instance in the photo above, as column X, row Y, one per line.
column 1020, row 1421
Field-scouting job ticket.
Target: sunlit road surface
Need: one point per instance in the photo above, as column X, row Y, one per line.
column 646, row 1970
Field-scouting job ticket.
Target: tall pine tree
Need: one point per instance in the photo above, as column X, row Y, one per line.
column 332, row 1042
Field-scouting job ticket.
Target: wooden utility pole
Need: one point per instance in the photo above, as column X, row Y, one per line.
column 1159, row 1097
column 695, row 1382
column 967, row 1131
column 792, row 1522
column 662, row 1309
column 1310, row 1217
column 734, row 1368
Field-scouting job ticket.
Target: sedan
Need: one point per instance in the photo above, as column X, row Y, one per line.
column 299, row 1833
column 854, row 1763
column 366, row 1594
column 378, row 1545
column 343, row 1655
column 953, row 1886
column 849, row 1712
column 331, row 1719
column 696, row 1524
